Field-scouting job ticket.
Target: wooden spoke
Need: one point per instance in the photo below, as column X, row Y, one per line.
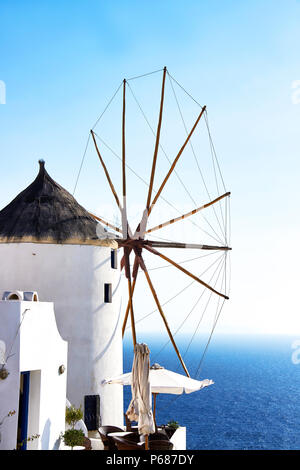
column 152, row 250
column 170, row 171
column 106, row 173
column 135, row 242
column 131, row 312
column 123, row 142
column 134, row 275
column 163, row 317
column 135, row 266
column 142, row 225
column 128, row 308
column 176, row 160
column 184, row 216
column 157, row 139
column 127, row 263
column 105, row 223
column 122, row 264
column 159, row 244
column 128, row 275
column 124, row 211
column 140, row 244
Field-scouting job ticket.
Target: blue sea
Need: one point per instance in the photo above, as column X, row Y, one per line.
column 254, row 402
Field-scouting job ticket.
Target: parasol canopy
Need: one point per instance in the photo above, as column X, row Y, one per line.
column 164, row 381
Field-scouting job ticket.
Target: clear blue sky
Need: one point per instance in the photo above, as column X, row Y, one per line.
column 62, row 61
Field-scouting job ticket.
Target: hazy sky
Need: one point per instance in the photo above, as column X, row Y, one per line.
column 62, row 61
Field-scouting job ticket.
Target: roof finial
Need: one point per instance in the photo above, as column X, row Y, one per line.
column 42, row 170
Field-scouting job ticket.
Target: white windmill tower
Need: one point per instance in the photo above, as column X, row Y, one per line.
column 52, row 245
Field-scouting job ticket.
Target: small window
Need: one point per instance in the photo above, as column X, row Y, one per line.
column 114, row 259
column 107, row 293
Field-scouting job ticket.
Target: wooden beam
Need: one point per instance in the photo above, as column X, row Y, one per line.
column 128, row 309
column 106, row 173
column 124, row 211
column 184, row 216
column 176, row 160
column 135, row 266
column 164, row 318
column 198, row 246
column 143, row 223
column 105, row 223
column 131, row 313
column 138, row 245
column 126, row 262
column 123, row 141
column 157, row 139
column 152, row 250
column 130, row 292
column 160, row 244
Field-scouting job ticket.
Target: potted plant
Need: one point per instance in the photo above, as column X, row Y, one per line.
column 72, row 437
column 171, row 427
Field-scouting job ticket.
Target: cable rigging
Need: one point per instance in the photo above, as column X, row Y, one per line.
column 136, row 245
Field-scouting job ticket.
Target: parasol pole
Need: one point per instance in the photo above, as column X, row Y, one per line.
column 154, row 409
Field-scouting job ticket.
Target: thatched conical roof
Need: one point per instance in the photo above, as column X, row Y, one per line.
column 46, row 213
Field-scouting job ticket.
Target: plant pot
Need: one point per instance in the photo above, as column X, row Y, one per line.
column 170, row 431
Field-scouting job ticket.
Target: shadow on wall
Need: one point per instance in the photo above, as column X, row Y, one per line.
column 111, row 338
column 105, row 261
column 45, row 439
column 102, row 305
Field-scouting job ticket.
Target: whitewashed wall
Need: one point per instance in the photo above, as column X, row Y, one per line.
column 30, row 333
column 179, row 439
column 73, row 277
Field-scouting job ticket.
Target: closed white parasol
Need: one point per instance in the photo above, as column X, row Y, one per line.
column 140, row 406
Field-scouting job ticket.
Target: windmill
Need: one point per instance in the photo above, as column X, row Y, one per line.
column 136, row 242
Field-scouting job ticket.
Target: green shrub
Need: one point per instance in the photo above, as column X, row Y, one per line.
column 173, row 424
column 73, row 415
column 74, row 437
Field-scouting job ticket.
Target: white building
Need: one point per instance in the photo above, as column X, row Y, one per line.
column 35, row 358
column 49, row 244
